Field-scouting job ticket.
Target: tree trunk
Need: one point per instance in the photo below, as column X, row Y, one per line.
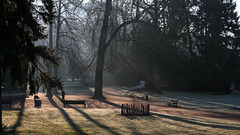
column 49, row 90
column 155, row 61
column 57, row 41
column 50, row 46
column 155, row 75
column 99, row 75
column 1, row 124
column 101, row 52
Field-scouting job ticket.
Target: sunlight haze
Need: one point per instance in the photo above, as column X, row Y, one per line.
column 238, row 6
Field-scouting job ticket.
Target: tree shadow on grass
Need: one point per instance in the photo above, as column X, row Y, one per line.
column 189, row 121
column 110, row 103
column 19, row 120
column 100, row 100
column 95, row 122
column 66, row 116
column 58, row 97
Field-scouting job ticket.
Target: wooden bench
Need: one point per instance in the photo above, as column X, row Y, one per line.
column 130, row 94
column 74, row 102
column 173, row 102
column 143, row 97
column 4, row 101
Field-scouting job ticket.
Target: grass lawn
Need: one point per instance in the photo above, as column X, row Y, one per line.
column 50, row 121
column 205, row 101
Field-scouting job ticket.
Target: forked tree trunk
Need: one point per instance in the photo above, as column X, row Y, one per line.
column 101, row 52
column 103, row 45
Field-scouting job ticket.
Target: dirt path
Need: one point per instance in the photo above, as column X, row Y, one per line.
column 114, row 100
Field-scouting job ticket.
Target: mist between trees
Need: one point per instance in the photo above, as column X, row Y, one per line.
column 183, row 44
column 170, row 44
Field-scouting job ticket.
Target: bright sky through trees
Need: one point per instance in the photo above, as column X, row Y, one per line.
column 237, row 1
column 238, row 6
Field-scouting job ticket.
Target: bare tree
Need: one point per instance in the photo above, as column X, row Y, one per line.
column 104, row 44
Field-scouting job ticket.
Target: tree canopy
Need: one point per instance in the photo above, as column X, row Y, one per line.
column 21, row 25
column 185, row 44
column 191, row 45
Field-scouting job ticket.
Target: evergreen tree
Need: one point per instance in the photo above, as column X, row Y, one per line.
column 196, row 45
column 20, row 28
column 217, row 30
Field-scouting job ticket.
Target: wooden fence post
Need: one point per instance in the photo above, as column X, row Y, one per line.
column 122, row 110
column 148, row 107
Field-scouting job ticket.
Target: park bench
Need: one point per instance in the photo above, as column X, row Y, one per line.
column 130, row 94
column 173, row 102
column 143, row 97
column 72, row 101
column 7, row 101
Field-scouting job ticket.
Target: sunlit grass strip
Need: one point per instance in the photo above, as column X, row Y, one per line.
column 49, row 121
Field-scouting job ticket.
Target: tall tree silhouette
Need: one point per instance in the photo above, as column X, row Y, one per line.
column 20, row 28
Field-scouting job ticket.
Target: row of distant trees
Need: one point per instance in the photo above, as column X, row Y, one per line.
column 185, row 44
column 188, row 44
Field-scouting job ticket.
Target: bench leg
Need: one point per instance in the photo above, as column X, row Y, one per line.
column 84, row 105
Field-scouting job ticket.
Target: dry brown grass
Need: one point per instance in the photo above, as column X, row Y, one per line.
column 50, row 121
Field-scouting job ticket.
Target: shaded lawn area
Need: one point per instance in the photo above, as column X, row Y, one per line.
column 54, row 119
column 204, row 101
column 109, row 121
